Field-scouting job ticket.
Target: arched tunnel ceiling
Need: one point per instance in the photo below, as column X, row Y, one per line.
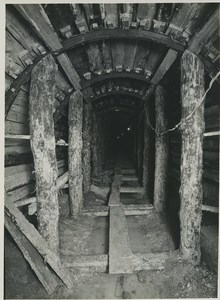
column 124, row 49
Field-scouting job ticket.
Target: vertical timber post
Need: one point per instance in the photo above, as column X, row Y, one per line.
column 146, row 155
column 95, row 145
column 75, row 152
column 42, row 141
column 161, row 151
column 192, row 129
column 87, row 137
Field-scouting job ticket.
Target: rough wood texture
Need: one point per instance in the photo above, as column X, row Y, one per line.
column 96, row 162
column 38, row 242
column 75, row 152
column 192, row 78
column 36, row 16
column 87, row 138
column 43, row 148
column 120, row 254
column 161, row 148
column 146, row 155
column 36, row 262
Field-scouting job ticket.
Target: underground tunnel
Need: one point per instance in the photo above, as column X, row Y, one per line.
column 111, row 151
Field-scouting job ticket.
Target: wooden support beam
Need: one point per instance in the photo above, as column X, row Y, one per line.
column 167, row 62
column 146, row 154
column 36, row 16
column 46, row 277
column 75, row 152
column 120, row 34
column 43, row 148
column 162, row 151
column 202, row 37
column 192, row 90
column 39, row 243
column 209, row 208
column 112, row 75
column 87, row 138
column 96, row 163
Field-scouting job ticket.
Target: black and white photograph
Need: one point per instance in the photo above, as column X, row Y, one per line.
column 111, row 150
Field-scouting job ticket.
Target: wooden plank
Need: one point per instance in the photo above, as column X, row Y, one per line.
column 36, row 262
column 114, row 199
column 129, row 189
column 15, row 128
column 19, row 193
column 107, row 56
column 202, row 37
column 161, row 71
column 16, row 180
column 17, row 117
column 99, row 262
column 17, row 150
column 152, row 261
column 38, row 242
column 94, row 58
column 120, row 254
column 18, row 169
column 164, row 66
column 111, row 19
column 141, row 261
column 37, row 17
column 213, row 133
column 210, row 209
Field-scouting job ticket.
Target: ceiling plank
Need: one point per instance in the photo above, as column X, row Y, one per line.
column 38, row 19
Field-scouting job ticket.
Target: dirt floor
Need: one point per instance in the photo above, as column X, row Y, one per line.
column 89, row 235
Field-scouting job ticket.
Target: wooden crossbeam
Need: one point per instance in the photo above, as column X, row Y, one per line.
column 141, row 261
column 113, row 75
column 119, row 92
column 132, row 34
column 35, row 15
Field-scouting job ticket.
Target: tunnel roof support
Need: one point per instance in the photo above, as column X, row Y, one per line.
column 75, row 152
column 42, row 140
column 161, row 151
column 87, row 137
column 192, row 128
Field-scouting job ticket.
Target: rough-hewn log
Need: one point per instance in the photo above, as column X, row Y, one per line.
column 87, row 137
column 75, row 152
column 192, row 90
column 161, row 148
column 96, row 163
column 146, row 155
column 43, row 148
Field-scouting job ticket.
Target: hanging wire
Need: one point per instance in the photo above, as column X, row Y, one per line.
column 190, row 115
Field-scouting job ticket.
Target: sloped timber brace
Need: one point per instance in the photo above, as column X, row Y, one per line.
column 43, row 148
column 192, row 90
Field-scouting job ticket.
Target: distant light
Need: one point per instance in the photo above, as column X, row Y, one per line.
column 118, row 137
column 122, row 133
column 117, row 109
column 129, row 128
